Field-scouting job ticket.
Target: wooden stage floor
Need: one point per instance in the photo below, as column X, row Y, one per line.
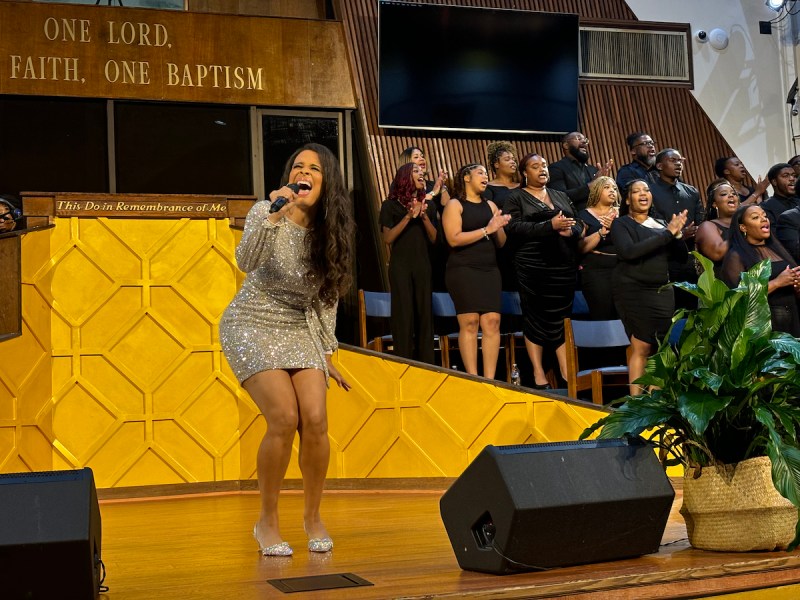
column 200, row 547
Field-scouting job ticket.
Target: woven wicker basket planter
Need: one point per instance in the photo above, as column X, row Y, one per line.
column 740, row 513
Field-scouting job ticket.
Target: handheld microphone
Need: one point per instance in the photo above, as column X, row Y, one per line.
column 280, row 201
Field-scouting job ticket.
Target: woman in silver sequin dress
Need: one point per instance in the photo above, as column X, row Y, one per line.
column 278, row 332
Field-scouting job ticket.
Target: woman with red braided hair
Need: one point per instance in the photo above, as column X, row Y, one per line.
column 409, row 226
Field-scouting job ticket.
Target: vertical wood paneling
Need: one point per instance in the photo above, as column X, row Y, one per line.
column 608, row 112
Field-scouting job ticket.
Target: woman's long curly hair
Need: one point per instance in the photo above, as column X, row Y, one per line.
column 403, row 188
column 330, row 238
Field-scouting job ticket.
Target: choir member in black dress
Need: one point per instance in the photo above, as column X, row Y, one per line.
column 435, row 193
column 750, row 243
column 597, row 246
column 474, row 227
column 644, row 247
column 711, row 239
column 732, row 169
column 409, row 226
column 502, row 160
column 545, row 232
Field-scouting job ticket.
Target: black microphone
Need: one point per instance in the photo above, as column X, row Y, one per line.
column 280, row 200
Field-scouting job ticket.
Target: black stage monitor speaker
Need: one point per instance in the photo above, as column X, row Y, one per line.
column 49, row 536
column 537, row 506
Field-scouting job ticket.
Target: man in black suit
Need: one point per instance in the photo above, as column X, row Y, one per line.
column 573, row 173
column 643, row 165
column 788, row 232
column 782, row 178
column 670, row 197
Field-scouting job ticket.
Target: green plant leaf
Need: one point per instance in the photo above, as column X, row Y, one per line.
column 698, row 408
column 785, row 470
column 796, row 541
column 635, row 416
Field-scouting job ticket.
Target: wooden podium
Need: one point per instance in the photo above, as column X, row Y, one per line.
column 10, row 290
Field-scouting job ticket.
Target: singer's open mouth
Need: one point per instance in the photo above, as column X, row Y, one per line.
column 304, row 186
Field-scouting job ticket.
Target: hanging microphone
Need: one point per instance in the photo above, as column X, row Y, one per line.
column 280, row 200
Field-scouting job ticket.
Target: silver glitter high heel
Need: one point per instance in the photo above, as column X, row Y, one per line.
column 319, row 544
column 279, row 549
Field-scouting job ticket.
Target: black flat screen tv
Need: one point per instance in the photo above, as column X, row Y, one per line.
column 477, row 69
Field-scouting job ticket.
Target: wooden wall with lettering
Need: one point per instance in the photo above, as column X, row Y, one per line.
column 608, row 112
column 113, row 52
column 305, row 9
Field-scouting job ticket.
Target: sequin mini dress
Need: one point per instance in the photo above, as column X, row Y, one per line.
column 276, row 320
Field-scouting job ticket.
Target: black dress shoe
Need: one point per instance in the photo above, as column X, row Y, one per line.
column 543, row 386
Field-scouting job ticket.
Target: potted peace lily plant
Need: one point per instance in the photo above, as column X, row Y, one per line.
column 725, row 403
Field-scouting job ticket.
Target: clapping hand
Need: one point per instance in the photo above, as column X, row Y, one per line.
column 415, row 208
column 498, row 221
column 677, row 222
column 789, row 276
column 562, row 224
column 605, row 170
column 607, row 220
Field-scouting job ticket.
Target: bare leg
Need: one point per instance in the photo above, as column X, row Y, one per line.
column 535, row 354
column 468, row 341
column 273, row 393
column 315, row 446
column 490, row 343
column 637, row 360
column 561, row 355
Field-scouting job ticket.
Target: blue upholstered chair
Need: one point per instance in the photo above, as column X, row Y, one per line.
column 593, row 334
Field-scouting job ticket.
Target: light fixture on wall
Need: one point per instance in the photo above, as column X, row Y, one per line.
column 718, row 39
column 776, row 5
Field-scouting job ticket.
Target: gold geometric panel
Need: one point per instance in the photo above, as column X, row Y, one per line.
column 77, row 285
column 74, row 405
column 119, row 308
column 119, row 368
column 145, row 351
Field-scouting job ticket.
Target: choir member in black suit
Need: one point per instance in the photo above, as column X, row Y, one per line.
column 644, row 247
column 671, row 196
column 643, row 165
column 573, row 173
column 789, row 232
column 546, row 232
column 782, row 178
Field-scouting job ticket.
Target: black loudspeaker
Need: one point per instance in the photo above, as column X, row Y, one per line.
column 538, row 506
column 49, row 536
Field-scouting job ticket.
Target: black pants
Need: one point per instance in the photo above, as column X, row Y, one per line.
column 412, row 314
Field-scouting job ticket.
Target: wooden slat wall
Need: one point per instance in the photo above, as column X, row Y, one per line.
column 608, row 111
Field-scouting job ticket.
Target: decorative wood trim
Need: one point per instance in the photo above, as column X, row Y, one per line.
column 46, row 205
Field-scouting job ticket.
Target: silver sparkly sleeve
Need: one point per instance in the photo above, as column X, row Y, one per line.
column 327, row 316
column 258, row 239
